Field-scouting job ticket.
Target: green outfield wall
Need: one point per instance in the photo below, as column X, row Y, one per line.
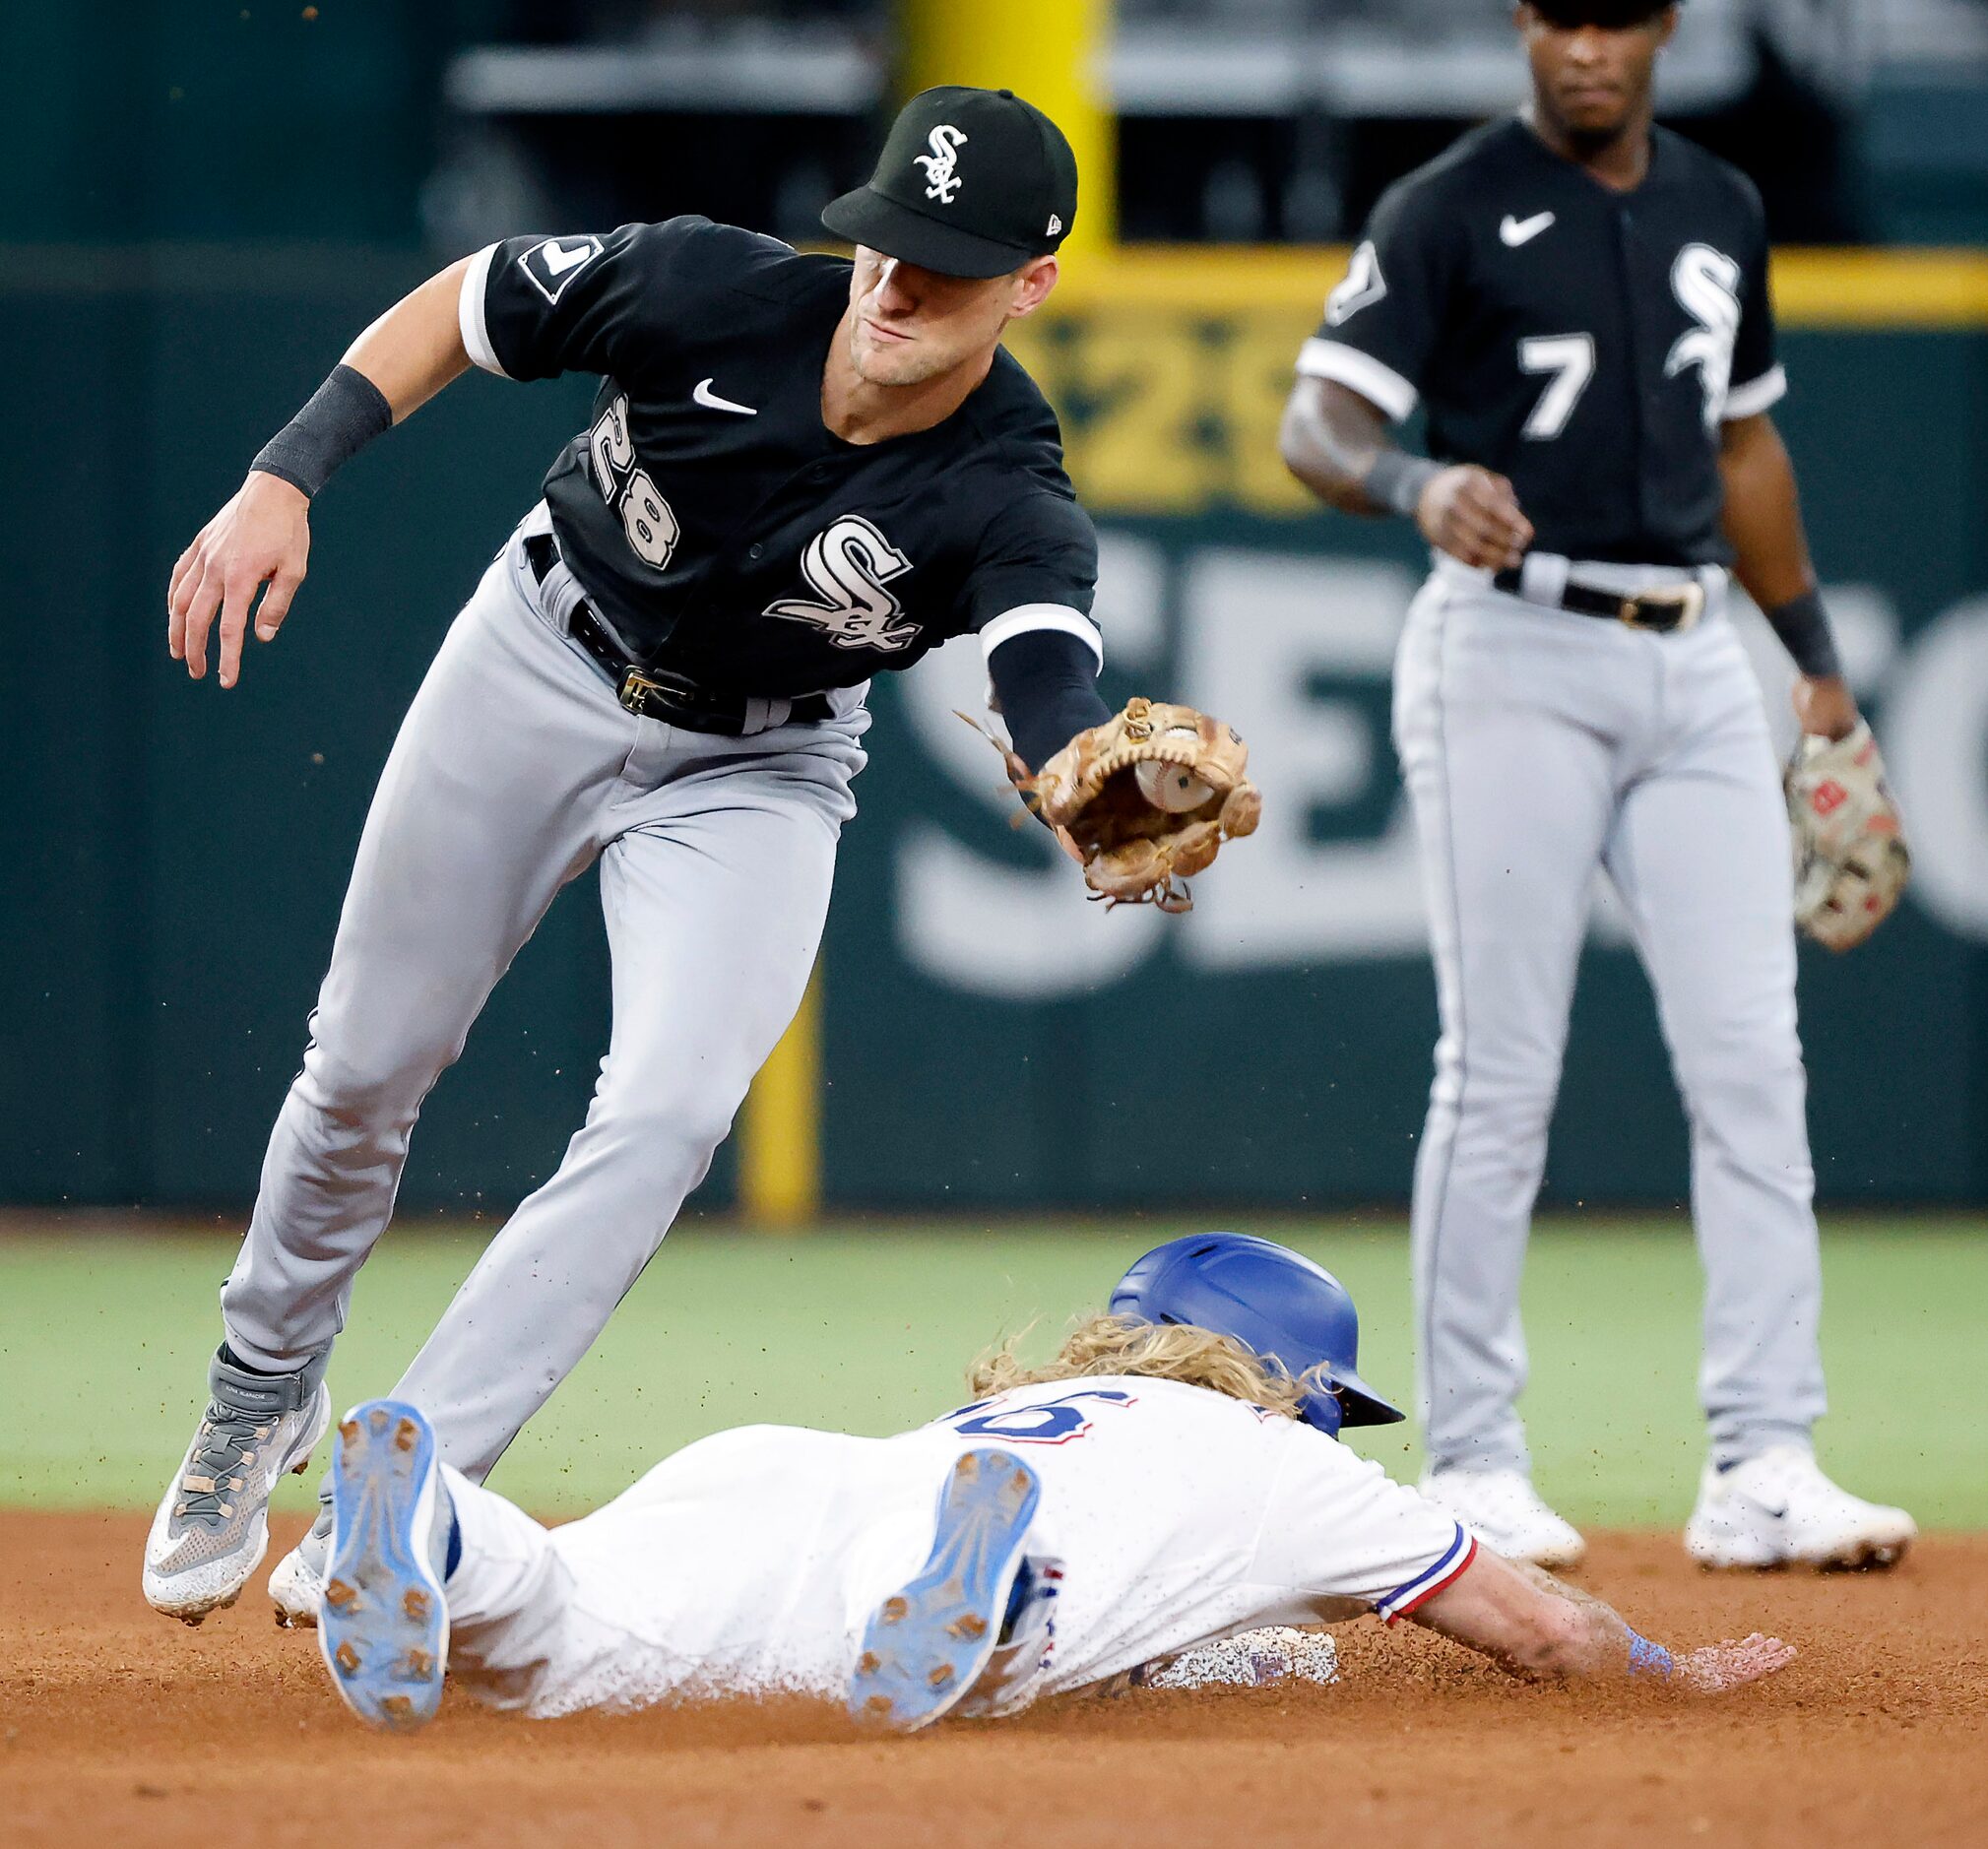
column 171, row 858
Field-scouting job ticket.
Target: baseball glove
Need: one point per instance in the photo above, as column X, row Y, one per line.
column 1852, row 861
column 1146, row 799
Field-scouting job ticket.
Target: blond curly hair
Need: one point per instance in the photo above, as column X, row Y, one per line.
column 1105, row 1344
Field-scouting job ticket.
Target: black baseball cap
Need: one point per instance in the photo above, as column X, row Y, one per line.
column 971, row 182
column 1610, row 15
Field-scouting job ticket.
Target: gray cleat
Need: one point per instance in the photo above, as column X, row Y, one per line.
column 212, row 1529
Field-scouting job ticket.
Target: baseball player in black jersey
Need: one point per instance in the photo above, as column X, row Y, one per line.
column 797, row 471
column 1580, row 302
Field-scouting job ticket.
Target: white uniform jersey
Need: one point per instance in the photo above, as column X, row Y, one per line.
column 748, row 1561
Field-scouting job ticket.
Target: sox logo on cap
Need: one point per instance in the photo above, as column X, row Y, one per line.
column 942, row 164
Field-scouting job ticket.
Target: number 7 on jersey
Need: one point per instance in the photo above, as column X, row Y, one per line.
column 1569, row 360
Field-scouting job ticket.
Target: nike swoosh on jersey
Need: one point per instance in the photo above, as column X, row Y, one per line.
column 1517, row 232
column 705, row 396
column 558, row 259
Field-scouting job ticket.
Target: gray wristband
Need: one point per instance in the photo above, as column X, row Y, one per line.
column 1397, row 478
column 345, row 413
column 1803, row 626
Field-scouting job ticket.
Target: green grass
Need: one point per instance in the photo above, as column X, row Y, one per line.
column 103, row 1340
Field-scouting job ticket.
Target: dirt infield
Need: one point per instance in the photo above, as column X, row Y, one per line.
column 120, row 1728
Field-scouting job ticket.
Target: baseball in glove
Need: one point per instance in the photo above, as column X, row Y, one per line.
column 1145, row 799
column 1852, row 861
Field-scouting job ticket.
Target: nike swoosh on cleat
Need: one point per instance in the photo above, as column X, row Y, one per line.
column 1517, row 231
column 702, row 394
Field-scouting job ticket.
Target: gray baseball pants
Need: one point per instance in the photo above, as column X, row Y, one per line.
column 1538, row 746
column 516, row 769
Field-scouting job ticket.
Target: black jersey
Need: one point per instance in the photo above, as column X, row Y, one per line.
column 711, row 516
column 1583, row 342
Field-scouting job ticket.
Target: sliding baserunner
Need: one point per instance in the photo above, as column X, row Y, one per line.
column 1172, row 1478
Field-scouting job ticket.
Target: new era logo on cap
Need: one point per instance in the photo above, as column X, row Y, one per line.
column 1056, row 225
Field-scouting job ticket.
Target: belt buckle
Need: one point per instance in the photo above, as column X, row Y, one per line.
column 1687, row 600
column 636, row 690
column 673, row 696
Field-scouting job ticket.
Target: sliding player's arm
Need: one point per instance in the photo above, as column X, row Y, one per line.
column 1533, row 1625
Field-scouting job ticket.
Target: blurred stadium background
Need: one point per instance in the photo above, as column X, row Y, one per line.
column 203, row 201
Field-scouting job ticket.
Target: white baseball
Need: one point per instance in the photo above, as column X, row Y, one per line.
column 1171, row 786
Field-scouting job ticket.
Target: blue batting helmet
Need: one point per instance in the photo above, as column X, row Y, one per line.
column 1275, row 1303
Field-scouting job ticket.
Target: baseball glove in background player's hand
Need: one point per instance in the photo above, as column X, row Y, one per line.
column 1146, row 799
column 1852, row 861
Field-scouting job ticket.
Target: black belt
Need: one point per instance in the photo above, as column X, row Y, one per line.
column 1677, row 607
column 656, row 692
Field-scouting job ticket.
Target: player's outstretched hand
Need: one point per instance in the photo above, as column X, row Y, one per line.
column 262, row 536
column 1474, row 515
column 1717, row 1667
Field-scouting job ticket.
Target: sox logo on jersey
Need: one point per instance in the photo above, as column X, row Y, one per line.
column 1708, row 282
column 942, row 164
column 847, row 566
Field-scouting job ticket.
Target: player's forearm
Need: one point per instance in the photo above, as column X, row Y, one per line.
column 1338, row 445
column 1762, row 523
column 393, row 368
column 1763, row 516
column 1533, row 1625
column 1599, row 1643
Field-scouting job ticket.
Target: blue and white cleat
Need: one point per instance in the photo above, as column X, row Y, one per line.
column 926, row 1645
column 384, row 1625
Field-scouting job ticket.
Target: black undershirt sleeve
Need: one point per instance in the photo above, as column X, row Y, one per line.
column 1047, row 683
